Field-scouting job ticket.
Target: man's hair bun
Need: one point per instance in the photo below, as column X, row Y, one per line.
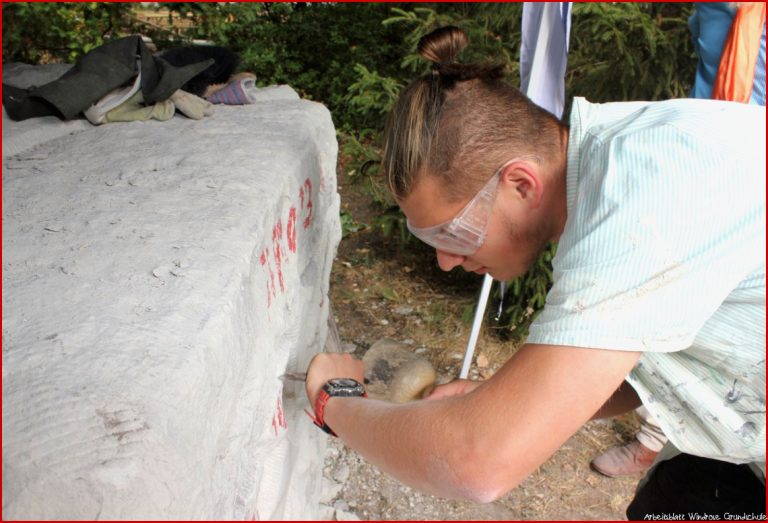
column 443, row 45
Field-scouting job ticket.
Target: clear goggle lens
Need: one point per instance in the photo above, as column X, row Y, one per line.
column 464, row 234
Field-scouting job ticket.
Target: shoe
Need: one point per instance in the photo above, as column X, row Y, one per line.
column 627, row 460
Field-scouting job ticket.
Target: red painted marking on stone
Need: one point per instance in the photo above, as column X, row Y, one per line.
column 280, row 414
column 278, row 420
column 272, row 287
column 277, row 236
column 308, row 185
column 290, row 231
column 280, row 254
column 271, row 293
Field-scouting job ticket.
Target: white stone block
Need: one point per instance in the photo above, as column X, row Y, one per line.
column 158, row 277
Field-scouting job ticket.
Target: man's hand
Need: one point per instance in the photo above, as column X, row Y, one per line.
column 326, row 366
column 457, row 387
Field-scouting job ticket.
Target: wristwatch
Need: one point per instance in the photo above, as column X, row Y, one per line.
column 337, row 387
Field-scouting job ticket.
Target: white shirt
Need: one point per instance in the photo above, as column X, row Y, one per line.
column 664, row 252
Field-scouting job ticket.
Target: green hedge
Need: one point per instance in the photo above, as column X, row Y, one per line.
column 355, row 58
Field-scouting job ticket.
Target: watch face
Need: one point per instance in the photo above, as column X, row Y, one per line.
column 345, row 382
column 344, row 387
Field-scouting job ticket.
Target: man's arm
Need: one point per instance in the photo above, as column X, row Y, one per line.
column 623, row 400
column 481, row 444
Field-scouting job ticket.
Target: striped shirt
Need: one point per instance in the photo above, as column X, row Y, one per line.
column 663, row 252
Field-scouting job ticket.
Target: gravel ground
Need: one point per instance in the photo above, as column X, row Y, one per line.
column 564, row 488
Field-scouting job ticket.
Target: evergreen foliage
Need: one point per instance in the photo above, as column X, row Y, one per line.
column 355, row 58
column 41, row 32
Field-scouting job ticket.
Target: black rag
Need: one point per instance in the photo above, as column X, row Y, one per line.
column 97, row 73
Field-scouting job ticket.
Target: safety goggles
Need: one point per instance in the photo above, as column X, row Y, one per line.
column 466, row 232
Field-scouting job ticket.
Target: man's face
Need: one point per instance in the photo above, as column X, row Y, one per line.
column 513, row 239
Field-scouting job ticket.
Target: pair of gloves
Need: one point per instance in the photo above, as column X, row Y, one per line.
column 133, row 109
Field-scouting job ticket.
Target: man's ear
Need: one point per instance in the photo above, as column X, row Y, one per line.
column 524, row 179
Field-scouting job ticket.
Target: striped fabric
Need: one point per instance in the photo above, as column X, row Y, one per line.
column 236, row 92
column 664, row 252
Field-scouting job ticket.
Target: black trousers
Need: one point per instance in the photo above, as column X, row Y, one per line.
column 689, row 487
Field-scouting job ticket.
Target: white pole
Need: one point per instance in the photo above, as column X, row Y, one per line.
column 476, row 324
column 543, row 78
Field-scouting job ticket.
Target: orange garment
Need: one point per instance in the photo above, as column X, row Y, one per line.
column 736, row 73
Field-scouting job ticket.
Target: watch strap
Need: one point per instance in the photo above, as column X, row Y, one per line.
column 319, row 415
column 318, row 418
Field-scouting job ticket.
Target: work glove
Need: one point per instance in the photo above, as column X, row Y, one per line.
column 191, row 106
column 133, row 110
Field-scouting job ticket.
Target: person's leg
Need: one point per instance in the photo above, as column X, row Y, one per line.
column 687, row 486
column 650, row 435
column 636, row 456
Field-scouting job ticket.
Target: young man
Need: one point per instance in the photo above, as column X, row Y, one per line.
column 659, row 279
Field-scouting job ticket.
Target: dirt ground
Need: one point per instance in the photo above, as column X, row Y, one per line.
column 378, row 291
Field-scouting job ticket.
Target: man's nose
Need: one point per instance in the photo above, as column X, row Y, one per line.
column 448, row 261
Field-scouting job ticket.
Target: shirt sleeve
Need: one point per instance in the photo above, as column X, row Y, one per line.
column 655, row 242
